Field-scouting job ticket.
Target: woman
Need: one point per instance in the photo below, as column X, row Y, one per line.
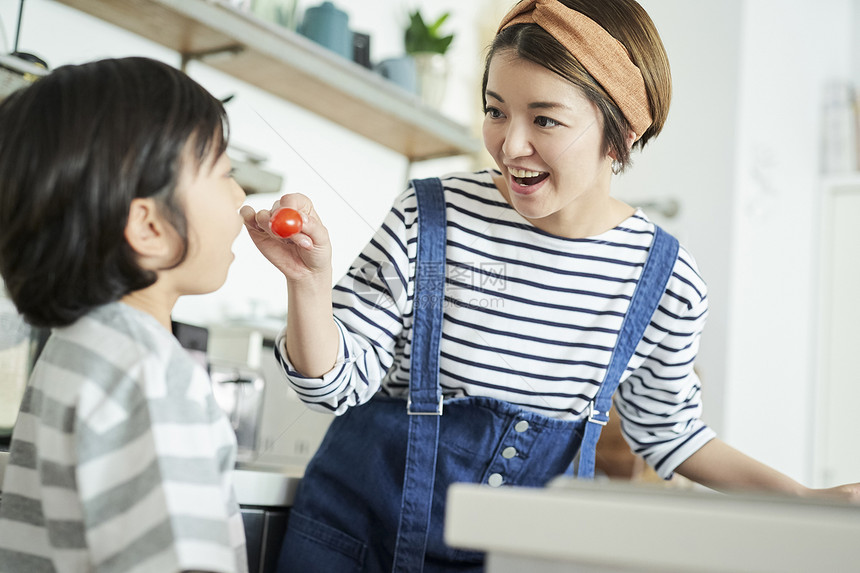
column 512, row 302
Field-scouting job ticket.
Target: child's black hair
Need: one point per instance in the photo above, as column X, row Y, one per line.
column 76, row 148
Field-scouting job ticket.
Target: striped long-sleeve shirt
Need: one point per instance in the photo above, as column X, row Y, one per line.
column 121, row 460
column 529, row 318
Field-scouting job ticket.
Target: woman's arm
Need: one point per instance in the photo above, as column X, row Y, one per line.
column 719, row 466
column 340, row 342
column 312, row 337
column 305, row 261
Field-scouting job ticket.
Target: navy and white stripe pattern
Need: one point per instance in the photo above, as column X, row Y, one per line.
column 530, row 318
column 121, row 460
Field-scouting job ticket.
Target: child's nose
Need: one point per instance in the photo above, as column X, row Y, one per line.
column 239, row 193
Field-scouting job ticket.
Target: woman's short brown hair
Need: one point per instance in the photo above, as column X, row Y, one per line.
column 628, row 23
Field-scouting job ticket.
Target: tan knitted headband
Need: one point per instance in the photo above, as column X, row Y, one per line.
column 605, row 58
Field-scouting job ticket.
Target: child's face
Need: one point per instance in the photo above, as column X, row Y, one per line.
column 212, row 199
column 546, row 138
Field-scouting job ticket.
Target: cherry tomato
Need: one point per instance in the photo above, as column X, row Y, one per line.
column 286, row 222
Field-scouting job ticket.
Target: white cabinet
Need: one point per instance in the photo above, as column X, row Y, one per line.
column 838, row 388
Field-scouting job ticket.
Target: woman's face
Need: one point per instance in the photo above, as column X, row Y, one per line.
column 546, row 138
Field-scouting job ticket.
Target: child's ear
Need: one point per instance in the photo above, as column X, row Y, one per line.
column 148, row 233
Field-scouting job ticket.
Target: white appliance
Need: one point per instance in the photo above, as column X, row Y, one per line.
column 287, row 432
column 16, row 73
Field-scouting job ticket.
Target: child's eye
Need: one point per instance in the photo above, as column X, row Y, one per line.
column 543, row 121
column 230, row 174
column 492, row 112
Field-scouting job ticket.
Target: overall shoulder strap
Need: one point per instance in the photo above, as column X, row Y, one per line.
column 427, row 303
column 424, row 406
column 646, row 297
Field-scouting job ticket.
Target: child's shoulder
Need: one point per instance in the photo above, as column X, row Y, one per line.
column 117, row 334
column 113, row 350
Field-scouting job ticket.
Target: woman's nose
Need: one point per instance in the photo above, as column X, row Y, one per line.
column 517, row 142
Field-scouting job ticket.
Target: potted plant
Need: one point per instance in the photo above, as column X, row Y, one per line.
column 420, row 37
column 427, row 45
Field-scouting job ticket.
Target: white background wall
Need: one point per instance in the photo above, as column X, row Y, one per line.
column 740, row 151
column 741, row 148
column 789, row 55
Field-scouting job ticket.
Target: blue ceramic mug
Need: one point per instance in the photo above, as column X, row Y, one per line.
column 328, row 26
column 401, row 71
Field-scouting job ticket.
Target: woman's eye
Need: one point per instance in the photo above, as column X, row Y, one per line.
column 543, row 121
column 493, row 113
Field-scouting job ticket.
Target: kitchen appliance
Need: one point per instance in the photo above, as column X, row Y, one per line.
column 237, row 387
column 239, row 391
column 287, row 432
column 17, row 72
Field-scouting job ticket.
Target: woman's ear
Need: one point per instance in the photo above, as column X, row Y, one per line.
column 148, row 234
column 628, row 141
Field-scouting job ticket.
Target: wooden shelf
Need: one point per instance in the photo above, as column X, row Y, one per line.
column 291, row 67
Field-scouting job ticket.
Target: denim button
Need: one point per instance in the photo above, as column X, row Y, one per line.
column 495, row 480
column 509, row 452
column 521, row 426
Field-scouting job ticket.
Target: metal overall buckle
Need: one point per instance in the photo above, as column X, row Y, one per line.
column 409, row 411
column 592, row 412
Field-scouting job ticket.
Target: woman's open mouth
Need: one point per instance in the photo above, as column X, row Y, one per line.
column 523, row 179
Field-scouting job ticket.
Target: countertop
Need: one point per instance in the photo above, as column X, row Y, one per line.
column 266, row 485
column 256, row 484
column 623, row 528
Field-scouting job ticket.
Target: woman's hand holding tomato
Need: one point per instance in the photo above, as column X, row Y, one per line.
column 285, row 222
column 292, row 237
column 304, row 258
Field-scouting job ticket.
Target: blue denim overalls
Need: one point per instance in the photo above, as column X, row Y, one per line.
column 373, row 497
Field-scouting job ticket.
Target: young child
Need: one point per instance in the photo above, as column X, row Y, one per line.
column 117, row 198
column 483, row 330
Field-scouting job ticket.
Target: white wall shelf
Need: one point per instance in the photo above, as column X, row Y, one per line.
column 291, row 67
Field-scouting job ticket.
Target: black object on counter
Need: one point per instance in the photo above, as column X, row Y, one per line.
column 361, row 49
column 194, row 339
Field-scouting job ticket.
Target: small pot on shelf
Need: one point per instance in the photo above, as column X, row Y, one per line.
column 431, row 74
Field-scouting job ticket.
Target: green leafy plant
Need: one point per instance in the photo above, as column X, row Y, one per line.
column 420, row 37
